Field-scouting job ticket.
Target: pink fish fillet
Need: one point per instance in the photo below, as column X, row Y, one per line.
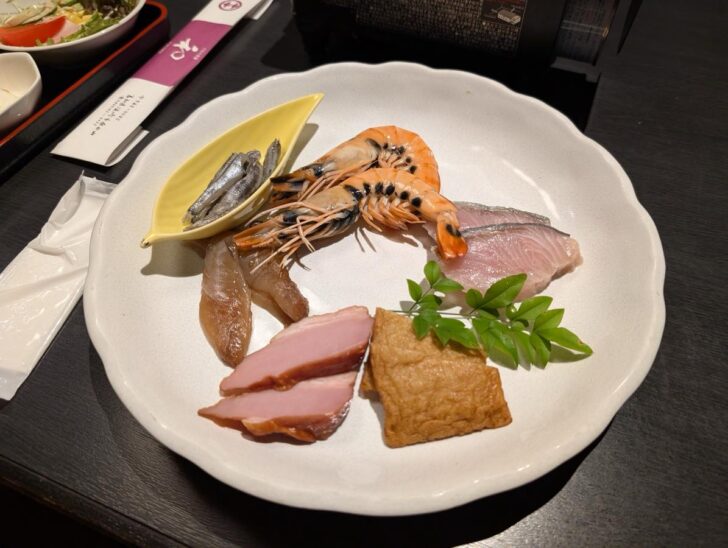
column 472, row 215
column 311, row 410
column 497, row 251
column 313, row 347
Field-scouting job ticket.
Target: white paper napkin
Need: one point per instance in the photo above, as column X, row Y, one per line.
column 40, row 287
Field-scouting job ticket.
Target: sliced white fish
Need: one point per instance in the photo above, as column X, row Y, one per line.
column 494, row 252
column 471, row 215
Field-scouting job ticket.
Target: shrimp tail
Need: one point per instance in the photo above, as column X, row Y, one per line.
column 449, row 239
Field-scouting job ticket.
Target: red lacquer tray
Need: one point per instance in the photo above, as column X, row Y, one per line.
column 69, row 93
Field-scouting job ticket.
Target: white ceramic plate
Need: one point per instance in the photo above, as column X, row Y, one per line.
column 494, row 146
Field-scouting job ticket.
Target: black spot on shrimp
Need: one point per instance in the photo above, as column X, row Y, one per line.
column 412, row 169
column 416, row 201
column 375, row 145
column 379, row 187
column 367, row 188
column 355, row 192
column 345, row 218
column 390, row 189
column 452, row 230
column 404, row 195
column 289, row 217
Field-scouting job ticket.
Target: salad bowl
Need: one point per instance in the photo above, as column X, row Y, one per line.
column 71, row 50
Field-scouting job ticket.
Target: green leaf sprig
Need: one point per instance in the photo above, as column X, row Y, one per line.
column 528, row 333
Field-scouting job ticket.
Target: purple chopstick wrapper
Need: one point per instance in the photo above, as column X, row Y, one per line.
column 114, row 128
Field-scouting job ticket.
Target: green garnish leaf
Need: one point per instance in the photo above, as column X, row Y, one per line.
column 481, row 324
column 432, row 302
column 519, row 325
column 503, row 292
column 421, row 326
column 466, row 338
column 488, row 314
column 503, row 333
column 443, row 334
column 430, row 316
column 511, row 334
column 474, row 298
column 548, row 319
column 567, row 339
column 432, row 272
column 526, row 351
column 446, row 285
column 498, row 351
column 542, row 348
column 415, row 291
column 531, row 308
column 450, row 323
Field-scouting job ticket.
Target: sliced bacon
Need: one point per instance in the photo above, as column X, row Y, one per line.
column 313, row 347
column 311, row 410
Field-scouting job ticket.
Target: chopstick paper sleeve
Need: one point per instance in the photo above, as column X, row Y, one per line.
column 114, row 128
column 40, row 287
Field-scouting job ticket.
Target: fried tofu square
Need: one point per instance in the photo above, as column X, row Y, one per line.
column 428, row 391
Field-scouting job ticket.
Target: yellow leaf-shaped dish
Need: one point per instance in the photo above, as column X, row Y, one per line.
column 283, row 122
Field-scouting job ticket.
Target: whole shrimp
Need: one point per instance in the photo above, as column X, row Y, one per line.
column 381, row 196
column 386, row 146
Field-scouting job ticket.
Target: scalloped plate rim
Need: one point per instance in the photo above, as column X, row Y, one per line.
column 365, row 503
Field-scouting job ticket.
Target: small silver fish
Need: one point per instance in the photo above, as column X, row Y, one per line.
column 239, row 192
column 238, row 178
column 230, row 172
column 271, row 159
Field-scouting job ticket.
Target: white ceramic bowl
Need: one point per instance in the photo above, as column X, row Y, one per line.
column 19, row 75
column 83, row 48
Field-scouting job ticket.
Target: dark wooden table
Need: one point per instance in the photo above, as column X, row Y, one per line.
column 657, row 476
